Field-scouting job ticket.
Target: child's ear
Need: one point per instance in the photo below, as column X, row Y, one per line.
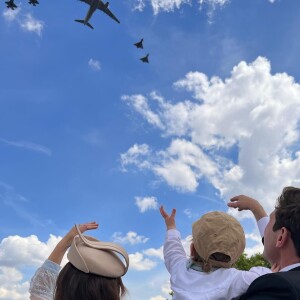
column 192, row 249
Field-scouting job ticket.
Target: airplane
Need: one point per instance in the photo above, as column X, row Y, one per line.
column 96, row 4
column 11, row 4
column 145, row 59
column 33, row 2
column 139, row 44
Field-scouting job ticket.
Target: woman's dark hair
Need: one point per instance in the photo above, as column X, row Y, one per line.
column 73, row 284
column 287, row 214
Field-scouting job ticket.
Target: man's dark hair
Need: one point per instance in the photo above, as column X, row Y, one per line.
column 287, row 214
column 73, row 284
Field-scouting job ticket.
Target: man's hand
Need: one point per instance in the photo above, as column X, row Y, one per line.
column 169, row 219
column 243, row 202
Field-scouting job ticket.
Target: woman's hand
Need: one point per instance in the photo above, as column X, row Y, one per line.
column 59, row 251
column 68, row 238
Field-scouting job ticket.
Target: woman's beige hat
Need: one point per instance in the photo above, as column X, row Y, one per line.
column 218, row 232
column 90, row 255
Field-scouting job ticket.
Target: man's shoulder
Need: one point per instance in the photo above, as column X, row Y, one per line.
column 282, row 278
column 281, row 285
column 292, row 276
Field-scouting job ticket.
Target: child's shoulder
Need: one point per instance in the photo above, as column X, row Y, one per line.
column 256, row 270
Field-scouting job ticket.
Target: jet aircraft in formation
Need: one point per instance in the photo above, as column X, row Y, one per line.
column 11, row 4
column 139, row 44
column 145, row 59
column 96, row 4
column 33, row 2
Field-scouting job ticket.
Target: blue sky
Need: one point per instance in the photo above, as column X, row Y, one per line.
column 88, row 132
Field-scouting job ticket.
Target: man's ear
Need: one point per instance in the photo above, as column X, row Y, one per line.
column 282, row 237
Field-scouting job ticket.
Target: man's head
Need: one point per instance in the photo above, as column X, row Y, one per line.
column 282, row 234
column 218, row 240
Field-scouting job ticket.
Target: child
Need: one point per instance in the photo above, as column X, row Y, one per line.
column 218, row 241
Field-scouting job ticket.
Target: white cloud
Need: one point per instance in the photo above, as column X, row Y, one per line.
column 29, row 23
column 158, row 298
column 131, row 238
column 139, row 5
column 252, row 112
column 188, row 212
column 181, row 165
column 186, row 243
column 28, row 146
column 136, row 155
column 146, row 203
column 26, row 21
column 139, row 263
column 18, row 253
column 257, row 247
column 214, row 2
column 253, row 237
column 163, row 282
column 94, row 64
column 212, row 6
column 240, row 215
column 167, row 5
column 140, row 104
column 11, row 15
column 166, row 287
column 170, row 5
column 155, row 252
column 178, row 174
column 12, row 286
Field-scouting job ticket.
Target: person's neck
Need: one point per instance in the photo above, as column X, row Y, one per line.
column 288, row 261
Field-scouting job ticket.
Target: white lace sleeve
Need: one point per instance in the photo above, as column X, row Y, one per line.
column 42, row 285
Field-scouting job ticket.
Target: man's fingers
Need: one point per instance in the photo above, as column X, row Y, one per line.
column 233, row 204
column 235, row 198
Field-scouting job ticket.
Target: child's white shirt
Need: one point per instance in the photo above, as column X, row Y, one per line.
column 189, row 284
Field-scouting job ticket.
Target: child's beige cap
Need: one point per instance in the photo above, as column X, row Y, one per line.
column 218, row 232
